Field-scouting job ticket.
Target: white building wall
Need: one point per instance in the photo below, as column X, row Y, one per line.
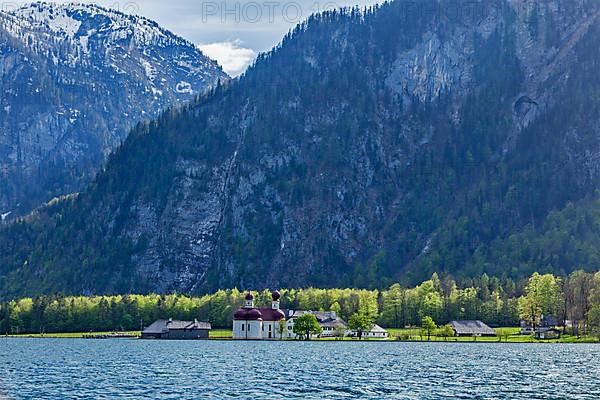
column 271, row 330
column 247, row 329
column 237, row 329
column 256, row 330
column 289, row 330
column 376, row 335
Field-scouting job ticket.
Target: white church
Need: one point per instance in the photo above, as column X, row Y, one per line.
column 252, row 323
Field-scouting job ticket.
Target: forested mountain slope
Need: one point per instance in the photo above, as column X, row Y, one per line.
column 74, row 80
column 408, row 142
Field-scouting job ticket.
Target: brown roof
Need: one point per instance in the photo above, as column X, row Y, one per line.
column 269, row 314
column 266, row 314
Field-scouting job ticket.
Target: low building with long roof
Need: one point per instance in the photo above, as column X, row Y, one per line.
column 471, row 328
column 173, row 329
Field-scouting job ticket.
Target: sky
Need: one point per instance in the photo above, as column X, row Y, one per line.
column 229, row 31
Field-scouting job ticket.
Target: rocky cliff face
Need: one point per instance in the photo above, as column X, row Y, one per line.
column 75, row 80
column 405, row 144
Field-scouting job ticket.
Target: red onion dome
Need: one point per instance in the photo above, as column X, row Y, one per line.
column 278, row 315
column 275, row 295
column 240, row 314
column 254, row 314
column 249, row 296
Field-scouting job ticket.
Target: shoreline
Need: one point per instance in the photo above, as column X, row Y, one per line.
column 96, row 337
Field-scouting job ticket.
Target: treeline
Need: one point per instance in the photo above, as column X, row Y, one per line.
column 131, row 312
column 575, row 298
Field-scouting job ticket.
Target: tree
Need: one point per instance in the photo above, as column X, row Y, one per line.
column 593, row 314
column 504, row 333
column 393, row 307
column 16, row 322
column 529, row 311
column 428, row 325
column 340, row 332
column 542, row 297
column 577, row 293
column 307, row 325
column 361, row 323
column 335, row 307
column 447, row 331
column 594, row 320
column 432, row 304
column 281, row 328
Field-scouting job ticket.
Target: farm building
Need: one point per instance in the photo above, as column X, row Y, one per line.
column 376, row 332
column 471, row 328
column 547, row 333
column 329, row 321
column 170, row 329
column 546, row 322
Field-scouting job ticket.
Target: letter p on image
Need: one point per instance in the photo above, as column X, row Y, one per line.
column 209, row 9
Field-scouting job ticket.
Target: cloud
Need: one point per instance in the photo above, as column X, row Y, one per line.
column 230, row 55
column 200, row 22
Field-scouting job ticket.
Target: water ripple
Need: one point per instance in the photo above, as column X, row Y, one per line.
column 134, row 369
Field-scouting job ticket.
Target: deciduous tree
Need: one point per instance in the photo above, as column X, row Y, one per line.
column 428, row 326
column 306, row 326
column 542, row 297
column 361, row 323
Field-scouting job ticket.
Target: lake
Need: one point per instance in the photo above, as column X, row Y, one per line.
column 137, row 369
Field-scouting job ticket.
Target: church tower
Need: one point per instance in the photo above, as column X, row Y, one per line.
column 249, row 301
column 275, row 303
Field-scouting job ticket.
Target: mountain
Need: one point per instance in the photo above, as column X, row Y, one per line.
column 409, row 142
column 75, row 79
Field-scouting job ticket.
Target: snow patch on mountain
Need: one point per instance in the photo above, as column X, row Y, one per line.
column 184, row 87
column 149, row 69
column 94, row 73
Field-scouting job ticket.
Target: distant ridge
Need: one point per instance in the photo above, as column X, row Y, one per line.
column 77, row 78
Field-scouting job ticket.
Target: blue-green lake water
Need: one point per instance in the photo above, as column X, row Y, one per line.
column 136, row 369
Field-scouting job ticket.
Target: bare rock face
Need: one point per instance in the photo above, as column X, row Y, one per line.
column 404, row 145
column 75, row 80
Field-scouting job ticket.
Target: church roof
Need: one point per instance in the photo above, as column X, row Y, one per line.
column 266, row 314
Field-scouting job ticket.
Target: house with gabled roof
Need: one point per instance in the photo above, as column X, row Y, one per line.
column 471, row 328
column 173, row 329
column 547, row 322
column 331, row 324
